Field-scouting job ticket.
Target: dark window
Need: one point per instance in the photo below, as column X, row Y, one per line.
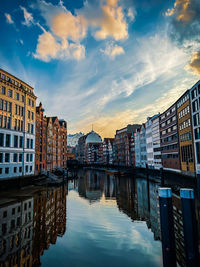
column 15, row 169
column 5, row 214
column 31, row 168
column 27, row 157
column 1, row 157
column 3, row 90
column 7, row 157
column 15, row 141
column 21, row 141
column 31, row 143
column 1, row 104
column 6, row 170
column 15, row 157
column 13, row 211
column 198, row 152
column 0, row 170
column 20, row 169
column 27, row 143
column 8, row 140
column 20, row 157
column 26, row 168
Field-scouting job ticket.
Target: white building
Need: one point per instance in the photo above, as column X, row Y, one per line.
column 149, row 142
column 157, row 161
column 140, row 147
column 195, row 106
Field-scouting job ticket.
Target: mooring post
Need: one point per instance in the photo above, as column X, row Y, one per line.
column 162, row 177
column 167, row 227
column 190, row 227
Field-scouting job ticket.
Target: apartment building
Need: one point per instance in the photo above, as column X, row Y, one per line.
column 185, row 133
column 40, row 140
column 140, row 147
column 123, row 145
column 157, row 161
column 108, row 150
column 169, row 139
column 17, row 126
column 195, row 106
column 56, row 143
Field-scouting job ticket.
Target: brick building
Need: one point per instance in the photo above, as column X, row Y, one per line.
column 123, row 144
column 186, row 146
column 169, row 138
column 40, row 140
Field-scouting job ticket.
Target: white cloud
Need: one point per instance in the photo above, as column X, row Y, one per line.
column 131, row 14
column 112, row 50
column 28, row 18
column 9, row 18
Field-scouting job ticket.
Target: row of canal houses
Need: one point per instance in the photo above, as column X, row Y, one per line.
column 170, row 140
column 30, row 142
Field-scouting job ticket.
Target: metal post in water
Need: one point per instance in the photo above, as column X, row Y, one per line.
column 190, row 227
column 167, row 227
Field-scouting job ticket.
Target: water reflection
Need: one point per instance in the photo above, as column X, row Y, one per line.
column 29, row 223
column 33, row 219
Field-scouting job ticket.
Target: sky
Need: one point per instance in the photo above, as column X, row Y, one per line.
column 106, row 63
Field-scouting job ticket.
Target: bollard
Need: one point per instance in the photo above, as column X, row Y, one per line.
column 190, row 227
column 167, row 227
column 162, row 177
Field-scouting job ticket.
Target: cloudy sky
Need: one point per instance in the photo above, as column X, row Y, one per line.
column 102, row 62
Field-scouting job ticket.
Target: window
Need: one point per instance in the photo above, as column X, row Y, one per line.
column 32, row 103
column 3, row 90
column 28, row 127
column 197, row 133
column 3, row 77
column 29, row 102
column 27, row 143
column 198, row 152
column 22, row 98
column 10, row 107
column 15, row 109
column 15, row 169
column 1, row 139
column 17, row 96
column 20, row 157
column 5, row 122
column 8, row 140
column 21, row 141
column 7, row 157
column 27, row 157
column 1, row 121
column 32, row 128
column 1, row 157
column 5, row 105
column 10, row 93
column 196, row 119
column 29, row 114
column 31, row 157
column 26, row 168
column 31, row 168
column 32, row 116
column 15, row 157
column 1, row 104
column 15, row 141
column 20, row 169
column 31, row 143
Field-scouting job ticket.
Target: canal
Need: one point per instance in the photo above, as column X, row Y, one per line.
column 95, row 220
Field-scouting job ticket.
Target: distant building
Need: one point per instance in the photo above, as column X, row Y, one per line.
column 108, row 150
column 124, row 145
column 72, row 139
column 195, row 104
column 90, row 148
column 17, row 127
column 150, row 135
column 140, row 147
column 169, row 138
column 70, row 153
column 185, row 132
column 157, row 161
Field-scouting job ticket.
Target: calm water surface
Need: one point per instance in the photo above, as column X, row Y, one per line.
column 98, row 220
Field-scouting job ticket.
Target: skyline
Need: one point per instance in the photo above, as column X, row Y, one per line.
column 116, row 64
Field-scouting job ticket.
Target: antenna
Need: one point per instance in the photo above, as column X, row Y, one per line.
column 92, row 127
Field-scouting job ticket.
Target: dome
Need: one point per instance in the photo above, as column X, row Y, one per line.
column 93, row 138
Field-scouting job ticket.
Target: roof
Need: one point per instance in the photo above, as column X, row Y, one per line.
column 93, row 137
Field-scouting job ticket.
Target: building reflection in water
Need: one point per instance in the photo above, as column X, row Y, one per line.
column 29, row 223
column 138, row 199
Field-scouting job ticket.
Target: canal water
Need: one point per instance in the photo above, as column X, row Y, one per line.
column 95, row 220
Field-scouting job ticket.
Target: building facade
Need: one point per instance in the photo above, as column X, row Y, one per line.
column 93, row 148
column 40, row 140
column 108, row 152
column 195, row 105
column 17, row 127
column 124, row 145
column 169, row 139
column 185, row 134
column 157, row 161
column 140, row 147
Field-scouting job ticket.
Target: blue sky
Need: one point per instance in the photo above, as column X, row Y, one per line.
column 106, row 62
